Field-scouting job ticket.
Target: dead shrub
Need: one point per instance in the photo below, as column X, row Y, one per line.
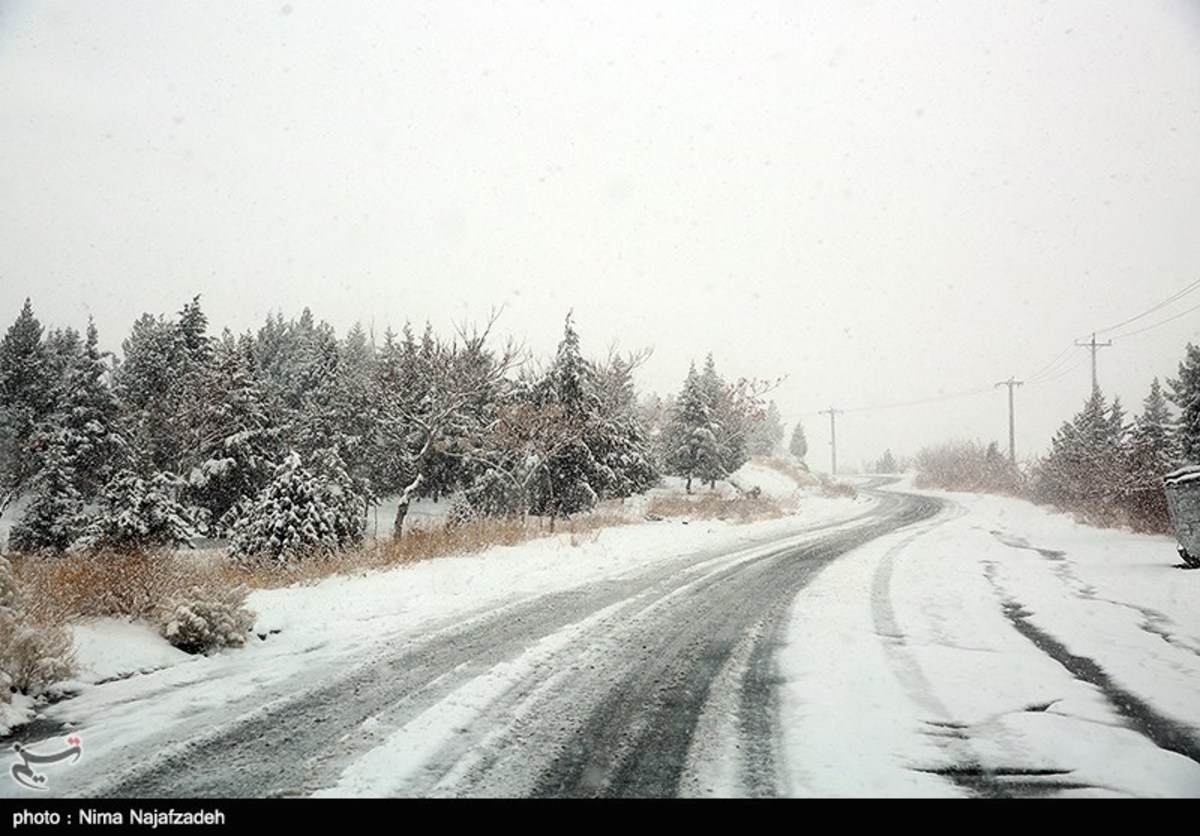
column 833, row 489
column 711, row 506
column 33, row 654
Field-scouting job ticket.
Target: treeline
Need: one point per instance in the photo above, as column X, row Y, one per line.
column 281, row 440
column 1101, row 465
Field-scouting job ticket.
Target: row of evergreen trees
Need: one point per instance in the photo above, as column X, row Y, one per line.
column 1101, row 465
column 281, row 440
column 1109, row 468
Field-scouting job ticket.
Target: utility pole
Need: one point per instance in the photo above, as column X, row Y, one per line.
column 1012, row 438
column 833, row 413
column 1094, row 346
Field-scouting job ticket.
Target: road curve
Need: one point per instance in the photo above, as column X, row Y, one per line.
column 652, row 685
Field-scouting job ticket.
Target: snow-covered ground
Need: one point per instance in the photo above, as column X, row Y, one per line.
column 903, row 661
column 903, row 657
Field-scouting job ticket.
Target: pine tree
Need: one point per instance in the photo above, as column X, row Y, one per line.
column 298, row 515
column 138, row 514
column 55, row 518
column 571, row 471
column 1185, row 394
column 798, row 446
column 88, row 414
column 149, row 386
column 1084, row 470
column 1152, row 454
column 729, row 455
column 238, row 444
column 766, row 433
column 692, row 449
column 26, row 387
column 192, row 326
column 616, row 434
column 887, row 463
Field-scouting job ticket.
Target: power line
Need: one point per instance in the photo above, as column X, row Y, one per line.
column 1052, row 366
column 919, row 402
column 1156, row 307
column 1155, row 325
column 1061, row 373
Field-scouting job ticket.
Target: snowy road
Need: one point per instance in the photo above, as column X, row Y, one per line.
column 622, row 687
column 912, row 646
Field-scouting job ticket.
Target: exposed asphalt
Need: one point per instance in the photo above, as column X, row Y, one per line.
column 618, row 688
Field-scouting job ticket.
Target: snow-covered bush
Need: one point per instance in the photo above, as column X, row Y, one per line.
column 201, row 619
column 461, row 512
column 32, row 656
column 137, row 514
column 298, row 515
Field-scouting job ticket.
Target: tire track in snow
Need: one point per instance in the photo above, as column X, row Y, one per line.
column 598, row 690
column 1163, row 731
column 638, row 740
column 1154, row 622
column 967, row 769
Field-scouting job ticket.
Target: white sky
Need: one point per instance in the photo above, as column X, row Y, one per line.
column 882, row 201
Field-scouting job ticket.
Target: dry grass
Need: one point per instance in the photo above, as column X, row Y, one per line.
column 422, row 543
column 711, row 506
column 62, row 588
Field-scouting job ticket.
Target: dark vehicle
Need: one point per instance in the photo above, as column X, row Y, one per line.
column 1183, row 504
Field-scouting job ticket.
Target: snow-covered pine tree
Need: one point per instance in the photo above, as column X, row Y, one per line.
column 716, row 403
column 136, row 515
column 341, row 493
column 298, row 515
column 1085, row 467
column 1153, row 453
column 148, row 385
column 570, row 470
column 55, row 518
column 26, row 386
column 239, row 443
column 341, row 412
column 1185, row 394
column 89, row 414
column 887, row 463
column 691, row 446
column 616, row 435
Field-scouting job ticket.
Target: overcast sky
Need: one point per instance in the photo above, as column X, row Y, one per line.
column 885, row 202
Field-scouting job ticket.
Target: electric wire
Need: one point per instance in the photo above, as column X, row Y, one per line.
column 1157, row 324
column 1156, row 307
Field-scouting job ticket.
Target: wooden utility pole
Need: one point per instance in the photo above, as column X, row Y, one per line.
column 1012, row 436
column 1094, row 346
column 833, row 413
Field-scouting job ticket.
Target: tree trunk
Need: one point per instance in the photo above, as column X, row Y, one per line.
column 402, row 508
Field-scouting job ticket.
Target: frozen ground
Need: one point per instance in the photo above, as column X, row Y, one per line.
column 993, row 649
column 996, row 644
